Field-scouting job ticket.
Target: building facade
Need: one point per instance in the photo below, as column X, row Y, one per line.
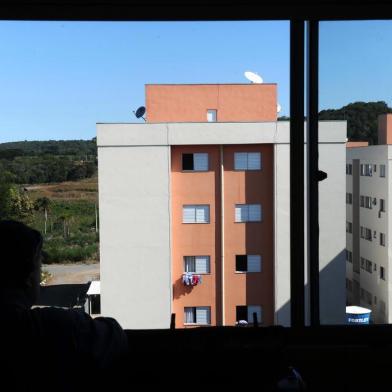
column 194, row 210
column 368, row 216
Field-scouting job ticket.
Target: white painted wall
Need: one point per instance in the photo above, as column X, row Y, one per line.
column 135, row 235
column 332, row 212
column 378, row 187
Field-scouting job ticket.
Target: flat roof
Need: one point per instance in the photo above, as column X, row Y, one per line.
column 207, row 84
column 357, row 310
column 95, row 288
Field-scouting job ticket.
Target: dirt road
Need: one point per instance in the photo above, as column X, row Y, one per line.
column 71, row 273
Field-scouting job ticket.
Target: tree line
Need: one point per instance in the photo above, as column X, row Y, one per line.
column 361, row 117
column 48, row 161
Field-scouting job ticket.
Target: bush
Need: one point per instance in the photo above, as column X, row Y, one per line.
column 56, row 254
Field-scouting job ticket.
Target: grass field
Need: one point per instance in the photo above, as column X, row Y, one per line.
column 71, row 234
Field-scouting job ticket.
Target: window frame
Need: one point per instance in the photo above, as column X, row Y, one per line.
column 215, row 112
column 237, row 271
column 195, row 222
column 260, row 168
column 193, row 161
column 238, row 205
column 194, row 310
column 194, row 260
column 298, row 15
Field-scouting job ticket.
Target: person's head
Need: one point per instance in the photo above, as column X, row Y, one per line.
column 20, row 254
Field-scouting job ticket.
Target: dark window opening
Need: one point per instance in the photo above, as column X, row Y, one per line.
column 241, row 313
column 241, row 263
column 187, row 161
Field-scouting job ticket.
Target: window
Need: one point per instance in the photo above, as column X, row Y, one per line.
column 197, row 315
column 366, row 233
column 362, row 203
column 374, row 168
column 367, row 170
column 382, row 239
column 248, row 213
column 211, row 115
column 349, row 227
column 382, row 306
column 368, row 202
column 349, row 198
column 196, row 214
column 369, row 266
column 195, row 162
column 362, row 262
column 382, row 170
column 368, row 297
column 197, row 264
column 349, row 169
column 246, row 313
column 247, row 160
column 382, row 205
column 248, row 263
column 382, row 273
column 349, row 256
column 375, row 267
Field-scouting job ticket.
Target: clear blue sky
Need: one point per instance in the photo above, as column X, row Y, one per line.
column 58, row 79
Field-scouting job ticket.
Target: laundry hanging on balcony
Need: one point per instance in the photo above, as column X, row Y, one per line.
column 190, row 279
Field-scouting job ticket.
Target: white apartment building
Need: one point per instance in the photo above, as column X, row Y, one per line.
column 137, row 219
column 368, row 253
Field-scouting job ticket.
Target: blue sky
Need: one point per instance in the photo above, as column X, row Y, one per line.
column 58, row 79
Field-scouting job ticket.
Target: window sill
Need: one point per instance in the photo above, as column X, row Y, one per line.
column 259, row 221
column 195, row 223
column 197, row 273
column 196, row 325
column 195, row 171
column 247, row 272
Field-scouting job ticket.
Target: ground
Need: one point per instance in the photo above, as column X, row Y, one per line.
column 71, row 273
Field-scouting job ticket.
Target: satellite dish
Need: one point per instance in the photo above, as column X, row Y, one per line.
column 140, row 112
column 278, row 108
column 253, row 77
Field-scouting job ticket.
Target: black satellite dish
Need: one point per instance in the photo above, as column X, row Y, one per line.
column 140, row 112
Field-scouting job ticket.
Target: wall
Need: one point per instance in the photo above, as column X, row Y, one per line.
column 196, row 239
column 135, row 235
column 375, row 187
column 189, row 103
column 254, row 238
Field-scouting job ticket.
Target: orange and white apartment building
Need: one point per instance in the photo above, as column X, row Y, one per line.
column 194, row 210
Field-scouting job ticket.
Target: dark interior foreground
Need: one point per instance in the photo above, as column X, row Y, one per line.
column 329, row 358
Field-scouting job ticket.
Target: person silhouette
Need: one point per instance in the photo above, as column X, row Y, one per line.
column 47, row 348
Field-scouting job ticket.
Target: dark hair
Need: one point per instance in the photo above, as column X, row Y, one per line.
column 20, row 249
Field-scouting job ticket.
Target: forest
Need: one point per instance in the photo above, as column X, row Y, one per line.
column 361, row 119
column 37, row 162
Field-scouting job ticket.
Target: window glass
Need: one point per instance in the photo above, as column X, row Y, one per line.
column 359, row 101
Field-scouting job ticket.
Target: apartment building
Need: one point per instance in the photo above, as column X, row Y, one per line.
column 195, row 210
column 369, row 184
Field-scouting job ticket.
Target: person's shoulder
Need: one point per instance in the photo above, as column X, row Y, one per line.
column 54, row 315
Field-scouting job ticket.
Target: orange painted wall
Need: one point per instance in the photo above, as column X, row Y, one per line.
column 354, row 144
column 189, row 103
column 240, row 187
column 249, row 187
column 385, row 128
column 195, row 239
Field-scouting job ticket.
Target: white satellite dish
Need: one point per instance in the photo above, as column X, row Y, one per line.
column 278, row 108
column 253, row 77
